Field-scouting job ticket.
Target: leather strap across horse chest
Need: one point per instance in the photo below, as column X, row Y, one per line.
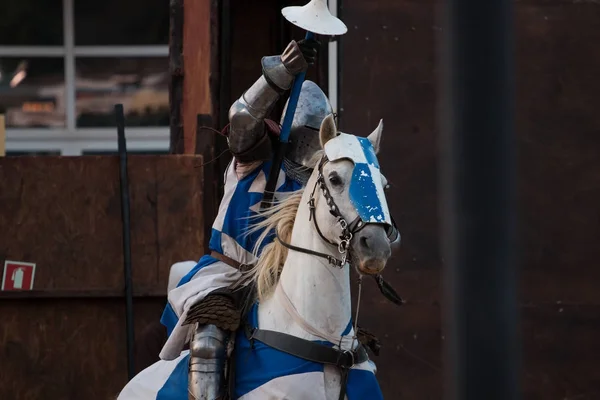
column 310, row 351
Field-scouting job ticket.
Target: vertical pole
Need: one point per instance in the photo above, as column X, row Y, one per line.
column 176, row 82
column 125, row 208
column 332, row 63
column 2, row 136
column 478, row 186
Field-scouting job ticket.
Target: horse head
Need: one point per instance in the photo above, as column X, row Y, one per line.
column 351, row 210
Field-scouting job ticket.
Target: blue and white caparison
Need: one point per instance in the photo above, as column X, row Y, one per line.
column 303, row 288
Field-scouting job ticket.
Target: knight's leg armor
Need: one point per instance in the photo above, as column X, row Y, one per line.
column 208, row 352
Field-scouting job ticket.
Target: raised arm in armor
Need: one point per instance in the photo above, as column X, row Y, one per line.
column 247, row 138
column 249, row 142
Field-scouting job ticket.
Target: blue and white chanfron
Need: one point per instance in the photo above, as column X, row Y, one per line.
column 366, row 186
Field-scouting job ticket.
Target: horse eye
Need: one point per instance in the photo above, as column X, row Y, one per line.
column 335, row 180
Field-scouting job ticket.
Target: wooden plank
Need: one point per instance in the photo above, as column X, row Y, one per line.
column 79, row 294
column 197, row 58
column 63, row 213
column 65, row 349
column 181, row 220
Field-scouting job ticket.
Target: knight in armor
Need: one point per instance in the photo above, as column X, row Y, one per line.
column 202, row 311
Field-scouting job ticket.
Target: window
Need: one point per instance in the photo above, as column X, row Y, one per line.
column 32, row 92
column 64, row 64
column 140, row 84
column 124, row 22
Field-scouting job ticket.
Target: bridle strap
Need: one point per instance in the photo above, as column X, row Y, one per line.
column 332, row 260
column 347, row 229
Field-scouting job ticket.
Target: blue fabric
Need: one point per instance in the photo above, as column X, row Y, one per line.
column 363, row 385
column 366, row 190
column 176, row 386
column 169, row 317
column 364, row 196
column 238, row 218
column 257, row 364
column 368, row 151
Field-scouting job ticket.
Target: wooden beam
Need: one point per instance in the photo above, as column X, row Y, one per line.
column 199, row 52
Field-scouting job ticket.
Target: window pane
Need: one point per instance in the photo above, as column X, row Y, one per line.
column 32, row 92
column 140, row 84
column 31, row 22
column 118, row 22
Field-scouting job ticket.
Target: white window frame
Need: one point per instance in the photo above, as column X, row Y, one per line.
column 71, row 140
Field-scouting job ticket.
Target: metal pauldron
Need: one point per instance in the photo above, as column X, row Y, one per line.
column 208, row 353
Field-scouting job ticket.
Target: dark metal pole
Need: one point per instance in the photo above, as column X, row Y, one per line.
column 478, row 182
column 125, row 207
column 340, row 68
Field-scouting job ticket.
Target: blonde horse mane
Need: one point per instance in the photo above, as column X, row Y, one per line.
column 280, row 218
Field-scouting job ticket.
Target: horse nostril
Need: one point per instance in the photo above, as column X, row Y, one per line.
column 364, row 242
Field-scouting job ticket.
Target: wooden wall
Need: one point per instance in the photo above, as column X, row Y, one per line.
column 66, row 339
column 390, row 70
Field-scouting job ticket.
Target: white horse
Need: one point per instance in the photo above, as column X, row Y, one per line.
column 300, row 329
column 301, row 291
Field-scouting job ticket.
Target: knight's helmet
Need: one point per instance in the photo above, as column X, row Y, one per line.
column 313, row 107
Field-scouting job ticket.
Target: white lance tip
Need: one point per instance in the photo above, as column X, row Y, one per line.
column 316, row 18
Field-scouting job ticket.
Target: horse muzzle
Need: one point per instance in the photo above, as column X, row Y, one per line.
column 371, row 249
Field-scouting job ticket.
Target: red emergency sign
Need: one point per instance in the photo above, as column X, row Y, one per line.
column 18, row 275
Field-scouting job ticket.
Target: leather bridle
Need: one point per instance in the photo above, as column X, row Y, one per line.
column 348, row 230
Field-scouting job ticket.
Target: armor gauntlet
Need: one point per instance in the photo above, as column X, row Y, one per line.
column 247, row 137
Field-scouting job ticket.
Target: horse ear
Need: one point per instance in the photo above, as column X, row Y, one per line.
column 328, row 130
column 375, row 136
